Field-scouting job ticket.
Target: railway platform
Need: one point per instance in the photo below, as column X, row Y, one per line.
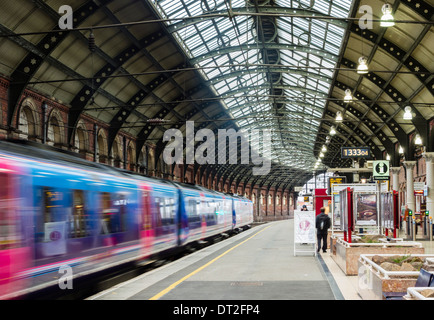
column 257, row 264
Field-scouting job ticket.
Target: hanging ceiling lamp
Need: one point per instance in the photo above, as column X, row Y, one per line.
column 362, row 68
column 348, row 97
column 339, row 116
column 332, row 131
column 407, row 113
column 324, row 148
column 387, row 18
column 418, row 140
column 400, row 150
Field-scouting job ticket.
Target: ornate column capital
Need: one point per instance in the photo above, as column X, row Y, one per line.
column 429, row 156
column 395, row 170
column 409, row 164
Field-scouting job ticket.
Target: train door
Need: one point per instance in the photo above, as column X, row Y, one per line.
column 147, row 234
column 14, row 257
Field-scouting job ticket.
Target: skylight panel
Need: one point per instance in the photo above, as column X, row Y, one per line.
column 249, row 87
column 331, row 48
column 322, row 6
column 338, row 12
column 318, row 30
column 200, row 50
column 208, row 33
column 194, row 8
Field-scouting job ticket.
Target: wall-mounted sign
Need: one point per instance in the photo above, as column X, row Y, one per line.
column 380, row 170
column 419, row 188
column 352, row 152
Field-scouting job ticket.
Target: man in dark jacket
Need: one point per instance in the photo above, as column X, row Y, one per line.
column 322, row 224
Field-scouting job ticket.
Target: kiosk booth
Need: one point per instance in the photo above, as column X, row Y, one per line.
column 366, row 217
column 321, row 199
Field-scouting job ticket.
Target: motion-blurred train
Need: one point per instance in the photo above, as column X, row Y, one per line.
column 58, row 210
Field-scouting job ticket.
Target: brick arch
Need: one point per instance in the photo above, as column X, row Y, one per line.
column 28, row 120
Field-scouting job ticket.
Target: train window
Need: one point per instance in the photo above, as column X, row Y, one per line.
column 78, row 222
column 165, row 210
column 51, row 222
column 120, row 204
column 114, row 213
column 108, row 221
column 192, row 207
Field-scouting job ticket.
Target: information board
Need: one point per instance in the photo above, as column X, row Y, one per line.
column 333, row 181
column 380, row 170
column 304, row 231
column 304, row 226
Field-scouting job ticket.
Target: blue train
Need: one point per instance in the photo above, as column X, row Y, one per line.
column 59, row 210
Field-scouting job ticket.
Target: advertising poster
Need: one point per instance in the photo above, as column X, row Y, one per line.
column 366, row 209
column 386, row 210
column 343, row 209
column 55, row 238
column 304, row 226
column 336, row 211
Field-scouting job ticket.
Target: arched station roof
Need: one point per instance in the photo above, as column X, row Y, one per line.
column 277, row 65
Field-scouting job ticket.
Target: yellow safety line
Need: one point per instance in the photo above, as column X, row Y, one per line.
column 173, row 285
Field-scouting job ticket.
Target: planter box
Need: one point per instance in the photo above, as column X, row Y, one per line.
column 333, row 237
column 375, row 282
column 347, row 254
column 414, row 293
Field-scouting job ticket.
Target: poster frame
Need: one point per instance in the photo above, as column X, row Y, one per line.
column 363, row 223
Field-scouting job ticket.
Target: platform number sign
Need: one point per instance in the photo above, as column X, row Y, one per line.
column 380, row 170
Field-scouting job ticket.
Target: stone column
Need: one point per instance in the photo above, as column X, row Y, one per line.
column 395, row 177
column 409, row 165
column 429, row 159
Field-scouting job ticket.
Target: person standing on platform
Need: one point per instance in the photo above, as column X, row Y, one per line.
column 322, row 224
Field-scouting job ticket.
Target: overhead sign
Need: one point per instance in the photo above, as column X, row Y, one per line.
column 380, row 170
column 335, row 180
column 352, row 152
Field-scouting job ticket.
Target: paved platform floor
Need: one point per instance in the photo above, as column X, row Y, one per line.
column 257, row 264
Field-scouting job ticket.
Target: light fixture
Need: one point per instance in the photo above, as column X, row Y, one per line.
column 387, row 157
column 387, row 18
column 362, row 68
column 321, row 155
column 348, row 96
column 407, row 114
column 324, row 148
column 332, row 131
column 339, row 116
column 400, row 150
column 418, row 140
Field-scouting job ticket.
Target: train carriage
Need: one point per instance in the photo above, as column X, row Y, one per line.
column 57, row 210
column 243, row 209
column 203, row 213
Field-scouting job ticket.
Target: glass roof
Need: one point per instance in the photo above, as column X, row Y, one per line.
column 270, row 63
